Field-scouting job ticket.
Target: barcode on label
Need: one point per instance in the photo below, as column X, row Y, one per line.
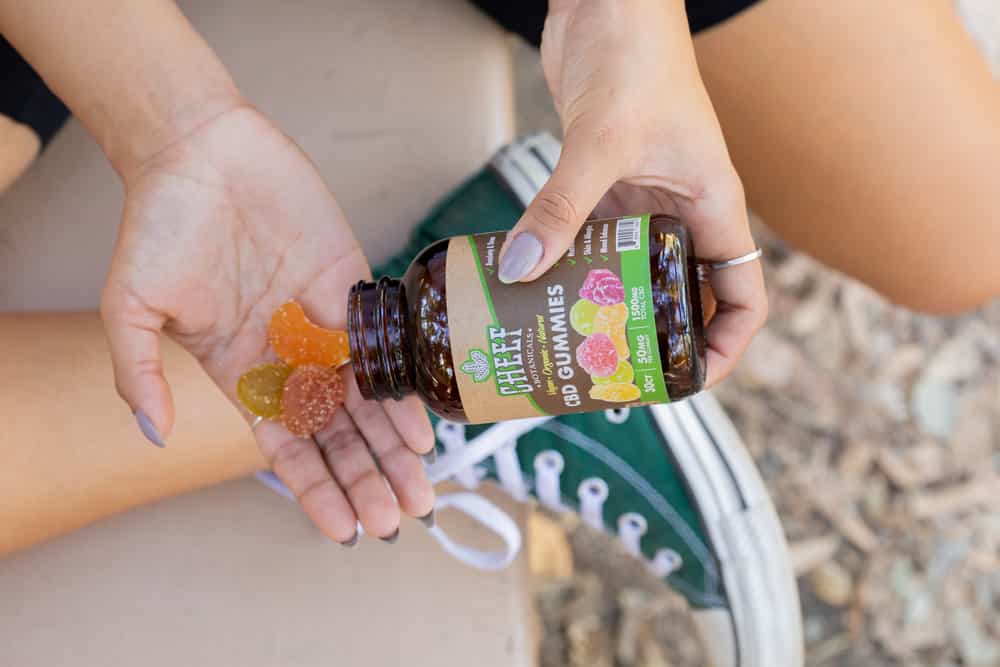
column 627, row 236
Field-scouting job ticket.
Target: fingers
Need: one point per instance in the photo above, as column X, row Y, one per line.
column 740, row 312
column 299, row 463
column 400, row 465
column 721, row 230
column 411, row 422
column 134, row 336
column 343, row 475
column 338, row 482
column 587, row 168
column 348, row 458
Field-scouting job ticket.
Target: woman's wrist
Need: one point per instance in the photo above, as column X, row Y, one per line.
column 156, row 95
column 154, row 120
column 136, row 74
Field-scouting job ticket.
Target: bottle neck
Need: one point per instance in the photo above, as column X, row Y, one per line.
column 376, row 328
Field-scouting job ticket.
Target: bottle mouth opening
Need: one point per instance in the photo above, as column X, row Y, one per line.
column 355, row 338
column 374, row 354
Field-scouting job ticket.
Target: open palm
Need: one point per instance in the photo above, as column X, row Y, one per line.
column 218, row 230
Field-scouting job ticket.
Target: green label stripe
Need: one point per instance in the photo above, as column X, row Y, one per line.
column 641, row 326
column 493, row 312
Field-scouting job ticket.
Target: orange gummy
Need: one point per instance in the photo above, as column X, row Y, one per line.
column 299, row 342
column 616, row 314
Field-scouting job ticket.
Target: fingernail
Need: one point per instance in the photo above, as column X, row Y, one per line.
column 392, row 538
column 427, row 519
column 431, row 457
column 271, row 481
column 149, row 429
column 351, row 543
column 522, row 256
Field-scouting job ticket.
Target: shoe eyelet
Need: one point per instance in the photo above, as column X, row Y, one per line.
column 633, row 523
column 550, row 460
column 594, row 488
column 666, row 562
column 616, row 415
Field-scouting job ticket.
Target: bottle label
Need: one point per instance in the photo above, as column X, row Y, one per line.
column 580, row 338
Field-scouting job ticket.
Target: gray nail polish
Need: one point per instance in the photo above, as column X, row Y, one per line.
column 427, row 519
column 149, row 429
column 522, row 256
column 431, row 457
column 351, row 543
column 392, row 538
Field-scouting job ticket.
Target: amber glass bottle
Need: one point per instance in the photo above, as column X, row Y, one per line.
column 616, row 322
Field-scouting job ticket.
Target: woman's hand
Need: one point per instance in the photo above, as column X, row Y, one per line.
column 218, row 230
column 640, row 136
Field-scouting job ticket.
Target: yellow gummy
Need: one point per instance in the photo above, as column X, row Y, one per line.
column 260, row 389
column 615, row 392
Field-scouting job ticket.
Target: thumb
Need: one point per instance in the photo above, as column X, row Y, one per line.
column 134, row 335
column 583, row 175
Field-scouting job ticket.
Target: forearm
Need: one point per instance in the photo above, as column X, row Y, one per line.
column 70, row 453
column 136, row 74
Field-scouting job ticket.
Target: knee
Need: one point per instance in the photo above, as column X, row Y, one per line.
column 949, row 283
column 938, row 250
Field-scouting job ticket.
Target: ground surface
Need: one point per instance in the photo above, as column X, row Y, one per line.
column 878, row 433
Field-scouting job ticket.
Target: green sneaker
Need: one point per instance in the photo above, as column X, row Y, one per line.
column 675, row 486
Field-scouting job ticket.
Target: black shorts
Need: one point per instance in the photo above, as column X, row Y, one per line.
column 25, row 98
column 527, row 17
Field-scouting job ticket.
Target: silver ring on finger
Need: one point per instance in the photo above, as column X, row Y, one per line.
column 705, row 269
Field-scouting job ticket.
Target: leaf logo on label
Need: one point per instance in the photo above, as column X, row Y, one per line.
column 477, row 365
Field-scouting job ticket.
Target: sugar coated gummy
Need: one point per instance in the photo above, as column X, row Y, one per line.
column 581, row 316
column 299, row 342
column 597, row 355
column 603, row 287
column 620, row 340
column 610, row 320
column 623, row 374
column 615, row 314
column 261, row 387
column 311, row 396
column 615, row 392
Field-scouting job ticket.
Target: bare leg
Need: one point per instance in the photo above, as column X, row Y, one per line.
column 868, row 135
column 18, row 147
column 69, row 449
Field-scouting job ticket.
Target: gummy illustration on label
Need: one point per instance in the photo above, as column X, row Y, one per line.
column 581, row 337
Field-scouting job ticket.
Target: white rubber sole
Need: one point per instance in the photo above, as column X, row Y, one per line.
column 763, row 626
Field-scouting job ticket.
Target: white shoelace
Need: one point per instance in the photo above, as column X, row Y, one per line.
column 460, row 461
